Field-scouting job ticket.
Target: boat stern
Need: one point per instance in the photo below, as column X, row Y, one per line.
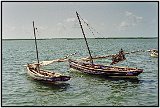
column 60, row 78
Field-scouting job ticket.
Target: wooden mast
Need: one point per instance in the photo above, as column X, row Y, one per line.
column 91, row 59
column 36, row 45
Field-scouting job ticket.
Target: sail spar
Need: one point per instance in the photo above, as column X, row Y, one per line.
column 34, row 32
column 91, row 60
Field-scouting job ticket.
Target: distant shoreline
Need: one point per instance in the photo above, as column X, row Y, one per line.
column 91, row 38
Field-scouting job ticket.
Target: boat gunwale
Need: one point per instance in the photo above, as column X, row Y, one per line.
column 41, row 77
column 46, row 76
column 76, row 63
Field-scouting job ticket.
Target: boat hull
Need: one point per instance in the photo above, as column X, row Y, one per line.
column 37, row 76
column 154, row 54
column 107, row 76
column 109, row 71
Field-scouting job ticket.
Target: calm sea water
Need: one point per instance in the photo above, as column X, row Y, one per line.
column 18, row 89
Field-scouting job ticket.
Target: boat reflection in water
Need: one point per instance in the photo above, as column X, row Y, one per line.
column 43, row 85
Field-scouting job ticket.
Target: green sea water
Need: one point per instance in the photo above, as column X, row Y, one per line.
column 18, row 89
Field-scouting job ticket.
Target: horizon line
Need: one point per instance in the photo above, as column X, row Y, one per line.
column 82, row 38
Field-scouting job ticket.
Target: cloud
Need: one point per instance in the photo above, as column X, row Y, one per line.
column 70, row 20
column 128, row 13
column 130, row 21
column 67, row 22
column 68, row 25
column 61, row 27
column 124, row 24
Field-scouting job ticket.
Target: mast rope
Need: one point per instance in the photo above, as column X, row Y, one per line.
column 90, row 27
column 92, row 30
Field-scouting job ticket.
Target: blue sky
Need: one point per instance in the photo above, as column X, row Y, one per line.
column 58, row 19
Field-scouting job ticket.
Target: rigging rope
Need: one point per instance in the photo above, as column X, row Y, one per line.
column 90, row 28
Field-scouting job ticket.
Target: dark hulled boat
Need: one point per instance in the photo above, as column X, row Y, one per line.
column 98, row 69
column 109, row 71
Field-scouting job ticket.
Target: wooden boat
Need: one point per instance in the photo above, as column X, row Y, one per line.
column 35, row 72
column 110, row 71
column 45, row 75
column 98, row 69
column 153, row 52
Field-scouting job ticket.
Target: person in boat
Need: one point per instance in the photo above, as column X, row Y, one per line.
column 121, row 55
column 34, row 66
column 37, row 67
column 118, row 57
